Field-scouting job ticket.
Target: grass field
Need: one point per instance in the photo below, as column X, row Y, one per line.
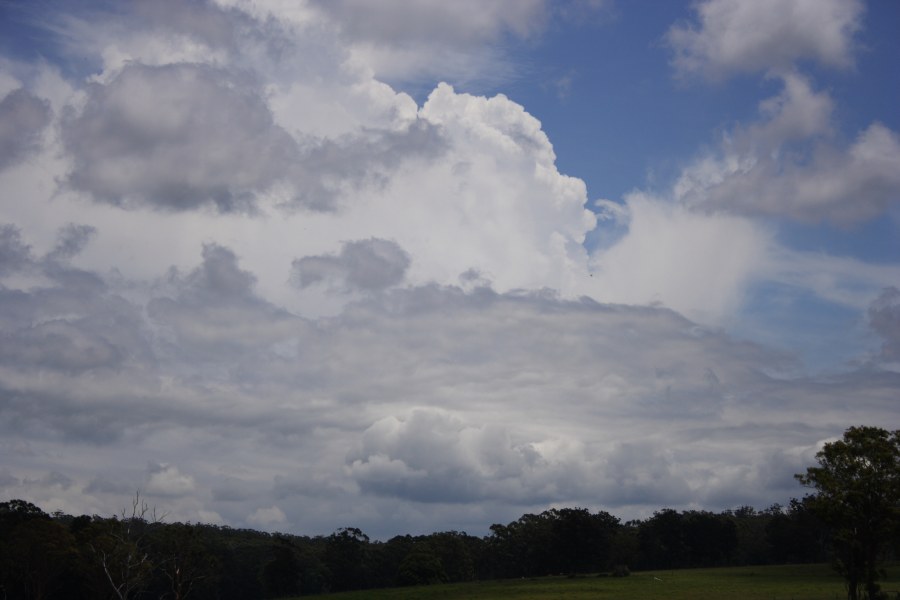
column 791, row 582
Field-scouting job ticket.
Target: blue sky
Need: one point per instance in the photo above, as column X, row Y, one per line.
column 413, row 266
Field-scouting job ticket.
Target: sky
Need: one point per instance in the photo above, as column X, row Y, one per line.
column 417, row 266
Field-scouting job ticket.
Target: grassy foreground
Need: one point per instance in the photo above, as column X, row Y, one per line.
column 783, row 582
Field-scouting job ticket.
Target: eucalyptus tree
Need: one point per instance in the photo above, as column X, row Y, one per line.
column 857, row 483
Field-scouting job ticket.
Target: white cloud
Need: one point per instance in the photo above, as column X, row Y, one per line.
column 734, row 36
column 430, row 456
column 398, row 22
column 459, row 41
column 797, row 113
column 698, row 264
column 843, row 281
column 469, row 172
column 211, row 517
column 421, row 42
column 787, row 165
column 331, row 109
column 496, row 197
column 268, row 517
column 166, row 480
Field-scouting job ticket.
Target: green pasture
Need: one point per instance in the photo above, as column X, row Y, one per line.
column 783, row 582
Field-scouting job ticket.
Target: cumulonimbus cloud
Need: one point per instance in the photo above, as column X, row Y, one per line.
column 313, row 265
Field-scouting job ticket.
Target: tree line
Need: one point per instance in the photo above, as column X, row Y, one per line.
column 851, row 520
column 60, row 556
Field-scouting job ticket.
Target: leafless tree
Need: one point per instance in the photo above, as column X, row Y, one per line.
column 121, row 549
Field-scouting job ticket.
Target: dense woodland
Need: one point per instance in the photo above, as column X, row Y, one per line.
column 138, row 555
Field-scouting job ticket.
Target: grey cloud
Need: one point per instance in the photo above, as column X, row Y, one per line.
column 74, row 323
column 641, row 470
column 785, row 165
column 186, row 136
column 23, row 118
column 365, row 158
column 181, row 136
column 369, row 265
column 215, row 26
column 71, row 241
column 14, row 253
column 884, row 319
column 232, row 490
column 310, row 486
column 6, row 479
column 414, row 457
column 215, row 313
column 58, row 344
column 51, row 479
column 523, row 400
column 868, row 172
column 74, row 280
column 176, row 137
column 219, row 278
column 56, row 478
column 100, row 485
column 472, row 278
column 311, row 270
column 42, row 413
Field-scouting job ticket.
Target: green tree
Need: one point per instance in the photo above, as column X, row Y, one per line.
column 796, row 535
column 42, row 554
column 184, row 560
column 858, row 496
column 453, row 550
column 711, row 539
column 662, row 542
column 422, row 566
column 582, row 540
column 347, row 559
column 281, row 575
